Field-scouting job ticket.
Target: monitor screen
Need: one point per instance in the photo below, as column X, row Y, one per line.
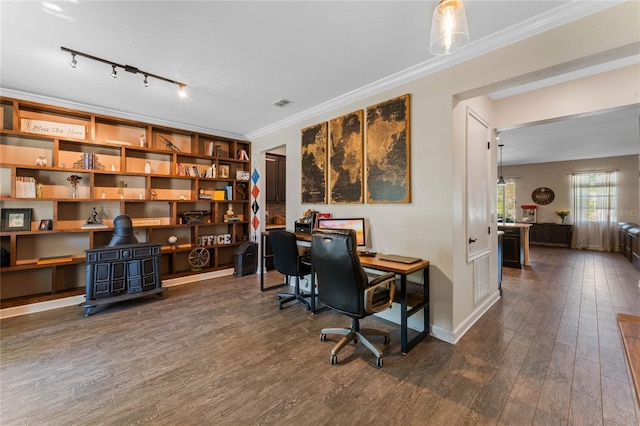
column 356, row 224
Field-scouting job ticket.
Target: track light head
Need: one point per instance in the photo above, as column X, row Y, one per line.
column 146, row 81
column 114, row 73
column 73, row 62
column 181, row 92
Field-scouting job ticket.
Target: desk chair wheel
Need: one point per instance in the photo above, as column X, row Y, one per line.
column 334, row 359
column 323, row 337
column 308, row 307
column 387, row 339
column 379, row 362
column 279, row 298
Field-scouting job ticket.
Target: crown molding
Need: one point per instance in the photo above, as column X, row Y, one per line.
column 557, row 17
column 26, row 96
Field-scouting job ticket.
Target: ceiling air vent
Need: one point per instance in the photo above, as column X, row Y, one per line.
column 281, row 102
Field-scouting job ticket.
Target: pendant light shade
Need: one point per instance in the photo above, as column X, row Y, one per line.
column 449, row 29
column 501, row 178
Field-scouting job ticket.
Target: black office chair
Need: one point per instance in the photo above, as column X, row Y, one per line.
column 344, row 286
column 288, row 261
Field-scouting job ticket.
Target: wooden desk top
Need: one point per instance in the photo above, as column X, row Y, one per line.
column 376, row 262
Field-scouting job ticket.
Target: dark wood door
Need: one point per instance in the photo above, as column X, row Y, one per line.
column 276, row 176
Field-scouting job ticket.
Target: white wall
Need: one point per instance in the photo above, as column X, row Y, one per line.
column 429, row 227
column 556, row 177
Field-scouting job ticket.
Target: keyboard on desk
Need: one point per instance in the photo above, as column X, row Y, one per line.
column 398, row 258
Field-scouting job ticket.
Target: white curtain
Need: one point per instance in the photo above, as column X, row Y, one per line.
column 595, row 211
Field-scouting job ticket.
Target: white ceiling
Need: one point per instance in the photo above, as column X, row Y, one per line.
column 238, row 57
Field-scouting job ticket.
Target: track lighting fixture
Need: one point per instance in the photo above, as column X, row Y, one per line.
column 128, row 68
column 449, row 29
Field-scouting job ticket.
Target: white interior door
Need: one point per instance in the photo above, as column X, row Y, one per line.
column 478, row 186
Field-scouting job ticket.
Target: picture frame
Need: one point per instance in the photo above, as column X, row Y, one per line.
column 346, row 159
column 223, row 171
column 388, row 151
column 242, row 175
column 16, row 220
column 45, row 225
column 314, row 140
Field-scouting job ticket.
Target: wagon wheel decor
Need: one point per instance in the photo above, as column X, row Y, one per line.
column 198, row 258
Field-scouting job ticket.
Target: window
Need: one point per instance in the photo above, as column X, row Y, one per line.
column 507, row 202
column 595, row 196
column 594, row 203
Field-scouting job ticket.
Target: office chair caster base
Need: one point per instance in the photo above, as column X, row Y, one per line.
column 379, row 362
column 334, row 359
column 323, row 337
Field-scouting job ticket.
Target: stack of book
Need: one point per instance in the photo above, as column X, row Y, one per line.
column 25, row 187
column 242, row 155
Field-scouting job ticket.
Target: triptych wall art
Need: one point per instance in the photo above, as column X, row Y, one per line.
column 337, row 152
column 314, row 164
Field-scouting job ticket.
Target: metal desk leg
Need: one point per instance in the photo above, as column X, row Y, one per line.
column 313, row 290
column 403, row 314
column 422, row 306
column 262, row 241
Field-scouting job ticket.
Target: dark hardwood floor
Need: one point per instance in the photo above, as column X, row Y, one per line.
column 221, row 353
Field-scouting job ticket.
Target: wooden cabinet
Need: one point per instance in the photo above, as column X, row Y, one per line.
column 154, row 174
column 512, row 249
column 276, row 178
column 551, row 234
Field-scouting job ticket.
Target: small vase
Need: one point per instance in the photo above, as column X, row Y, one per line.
column 563, row 218
column 74, row 192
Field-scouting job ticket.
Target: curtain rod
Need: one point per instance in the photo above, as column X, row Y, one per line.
column 591, row 171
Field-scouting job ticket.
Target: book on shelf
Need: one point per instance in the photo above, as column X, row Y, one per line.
column 54, row 259
column 25, row 187
column 242, row 155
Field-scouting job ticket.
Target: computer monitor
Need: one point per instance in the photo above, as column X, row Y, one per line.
column 356, row 224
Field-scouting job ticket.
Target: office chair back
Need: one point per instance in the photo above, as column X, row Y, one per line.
column 285, row 253
column 341, row 279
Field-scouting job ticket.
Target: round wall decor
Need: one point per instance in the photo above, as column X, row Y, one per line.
column 542, row 196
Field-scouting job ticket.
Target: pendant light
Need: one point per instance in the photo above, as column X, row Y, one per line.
column 501, row 178
column 449, row 29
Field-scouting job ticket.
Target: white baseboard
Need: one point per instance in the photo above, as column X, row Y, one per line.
column 76, row 300
column 453, row 337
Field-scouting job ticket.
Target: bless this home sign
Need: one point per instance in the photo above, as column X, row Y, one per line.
column 51, row 128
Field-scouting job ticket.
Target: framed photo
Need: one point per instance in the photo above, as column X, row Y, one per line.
column 223, row 171
column 242, row 175
column 45, row 225
column 16, row 219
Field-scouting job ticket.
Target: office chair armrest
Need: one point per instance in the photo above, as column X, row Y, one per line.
column 379, row 295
